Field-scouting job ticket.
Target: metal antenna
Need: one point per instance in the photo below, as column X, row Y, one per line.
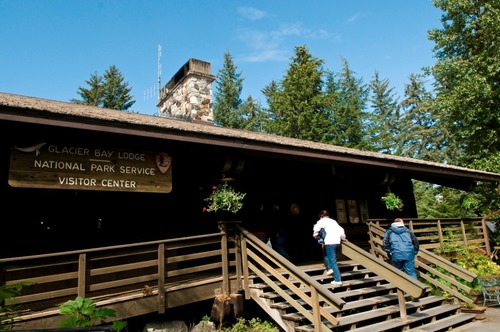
column 159, row 70
column 151, row 92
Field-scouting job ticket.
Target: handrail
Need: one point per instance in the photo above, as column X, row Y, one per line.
column 424, row 263
column 264, row 262
column 396, row 277
column 403, row 282
column 432, row 233
column 259, row 259
column 126, row 268
column 424, row 260
column 115, row 247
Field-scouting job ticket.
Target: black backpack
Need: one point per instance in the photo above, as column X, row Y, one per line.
column 320, row 237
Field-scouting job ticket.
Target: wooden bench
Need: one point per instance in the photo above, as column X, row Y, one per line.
column 490, row 285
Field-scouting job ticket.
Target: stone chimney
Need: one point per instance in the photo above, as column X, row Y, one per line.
column 188, row 94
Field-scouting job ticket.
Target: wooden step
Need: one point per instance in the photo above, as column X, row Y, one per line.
column 459, row 319
column 362, row 294
column 416, row 319
column 372, row 282
column 371, row 304
column 319, row 275
column 274, row 296
column 363, row 305
column 380, row 315
column 319, row 269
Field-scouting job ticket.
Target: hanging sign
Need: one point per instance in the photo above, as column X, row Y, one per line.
column 49, row 165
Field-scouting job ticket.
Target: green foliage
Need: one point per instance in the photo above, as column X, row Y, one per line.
column 224, row 198
column 8, row 312
column 256, row 118
column 383, row 121
column 392, row 201
column 467, row 69
column 83, row 312
column 347, row 108
column 116, row 92
column 487, row 192
column 314, row 104
column 297, row 106
column 119, row 325
column 467, row 257
column 468, row 86
column 109, row 91
column 227, row 105
column 94, row 95
column 435, row 201
column 252, row 325
column 471, row 202
column 421, row 134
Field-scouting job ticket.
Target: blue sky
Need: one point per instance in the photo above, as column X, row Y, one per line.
column 48, row 48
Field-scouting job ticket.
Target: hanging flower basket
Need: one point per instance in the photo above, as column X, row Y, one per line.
column 392, row 202
column 224, row 198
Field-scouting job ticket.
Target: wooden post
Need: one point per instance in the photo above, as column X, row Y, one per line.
column 82, row 274
column 464, row 235
column 237, row 247
column 225, row 260
column 402, row 305
column 161, row 278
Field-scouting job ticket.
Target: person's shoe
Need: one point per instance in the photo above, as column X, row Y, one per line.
column 336, row 283
column 329, row 272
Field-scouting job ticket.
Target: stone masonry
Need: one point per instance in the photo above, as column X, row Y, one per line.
column 188, row 94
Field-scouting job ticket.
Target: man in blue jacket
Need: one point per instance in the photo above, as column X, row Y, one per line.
column 402, row 246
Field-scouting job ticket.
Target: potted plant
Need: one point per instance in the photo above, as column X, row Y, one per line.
column 392, row 201
column 224, row 198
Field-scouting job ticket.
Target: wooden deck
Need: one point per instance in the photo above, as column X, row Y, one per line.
column 153, row 277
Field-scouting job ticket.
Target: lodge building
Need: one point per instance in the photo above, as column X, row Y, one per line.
column 78, row 177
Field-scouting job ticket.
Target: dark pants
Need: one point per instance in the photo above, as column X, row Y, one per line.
column 406, row 265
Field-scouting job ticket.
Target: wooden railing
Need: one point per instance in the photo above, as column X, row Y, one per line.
column 262, row 261
column 429, row 266
column 259, row 259
column 226, row 261
column 404, row 283
column 124, row 272
column 433, row 233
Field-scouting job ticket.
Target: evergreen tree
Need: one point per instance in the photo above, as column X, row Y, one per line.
column 116, row 91
column 384, row 121
column 439, row 202
column 422, row 135
column 108, row 92
column 332, row 99
column 256, row 118
column 228, row 103
column 297, row 103
column 94, row 95
column 348, row 114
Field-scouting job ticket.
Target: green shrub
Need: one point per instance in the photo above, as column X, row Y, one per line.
column 9, row 312
column 83, row 312
column 469, row 258
column 252, row 325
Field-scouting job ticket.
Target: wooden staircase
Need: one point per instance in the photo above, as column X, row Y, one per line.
column 371, row 304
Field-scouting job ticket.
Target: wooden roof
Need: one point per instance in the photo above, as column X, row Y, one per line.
column 19, row 108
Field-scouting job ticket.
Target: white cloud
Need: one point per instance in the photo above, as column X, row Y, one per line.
column 274, row 45
column 251, row 13
column 266, row 55
column 356, row 17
